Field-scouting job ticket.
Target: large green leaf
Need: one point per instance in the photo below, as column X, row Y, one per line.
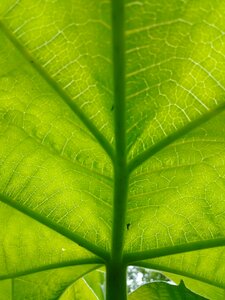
column 112, row 142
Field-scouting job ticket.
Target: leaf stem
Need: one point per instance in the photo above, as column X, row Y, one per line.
column 116, row 282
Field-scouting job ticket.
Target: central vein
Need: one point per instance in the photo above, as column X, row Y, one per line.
column 120, row 162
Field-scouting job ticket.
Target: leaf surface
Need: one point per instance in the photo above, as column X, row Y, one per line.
column 90, row 286
column 112, row 138
column 43, row 285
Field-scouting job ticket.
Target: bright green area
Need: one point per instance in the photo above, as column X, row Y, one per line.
column 112, row 143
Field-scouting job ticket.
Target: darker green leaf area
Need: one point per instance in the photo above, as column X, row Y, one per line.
column 164, row 291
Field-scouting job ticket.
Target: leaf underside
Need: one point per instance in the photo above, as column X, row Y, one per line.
column 70, row 131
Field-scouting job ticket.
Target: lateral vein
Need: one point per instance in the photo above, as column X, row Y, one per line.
column 52, row 267
column 140, row 159
column 55, row 226
column 64, row 96
column 176, row 249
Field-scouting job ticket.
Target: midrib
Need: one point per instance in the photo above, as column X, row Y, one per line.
column 120, row 161
column 116, row 269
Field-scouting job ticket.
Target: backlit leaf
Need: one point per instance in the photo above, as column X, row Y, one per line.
column 112, row 143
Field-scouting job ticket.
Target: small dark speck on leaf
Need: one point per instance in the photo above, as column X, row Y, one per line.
column 32, row 61
column 112, row 108
column 128, row 226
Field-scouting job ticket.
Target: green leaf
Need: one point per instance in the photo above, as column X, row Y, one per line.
column 206, row 290
column 162, row 290
column 91, row 286
column 49, row 284
column 112, row 143
column 202, row 271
